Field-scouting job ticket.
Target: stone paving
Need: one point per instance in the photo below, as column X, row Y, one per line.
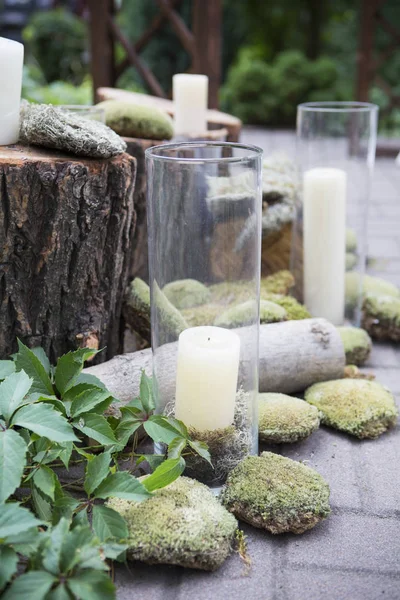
column 355, row 554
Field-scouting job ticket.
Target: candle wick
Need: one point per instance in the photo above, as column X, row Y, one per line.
column 208, row 339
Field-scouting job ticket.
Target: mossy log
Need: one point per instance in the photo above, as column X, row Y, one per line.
column 66, row 225
column 293, row 356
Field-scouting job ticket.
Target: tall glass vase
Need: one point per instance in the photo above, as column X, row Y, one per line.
column 204, row 281
column 336, row 144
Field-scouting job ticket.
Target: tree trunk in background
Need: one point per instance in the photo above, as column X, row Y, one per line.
column 66, row 226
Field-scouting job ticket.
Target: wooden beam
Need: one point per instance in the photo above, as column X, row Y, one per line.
column 365, row 51
column 101, row 44
column 177, row 23
column 207, row 24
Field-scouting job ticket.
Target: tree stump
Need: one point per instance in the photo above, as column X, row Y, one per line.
column 66, row 226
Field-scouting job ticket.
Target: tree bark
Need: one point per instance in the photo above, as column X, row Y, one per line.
column 293, row 356
column 66, row 224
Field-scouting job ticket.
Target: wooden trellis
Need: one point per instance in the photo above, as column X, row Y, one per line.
column 202, row 43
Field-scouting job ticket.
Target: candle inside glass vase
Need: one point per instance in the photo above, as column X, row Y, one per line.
column 11, row 63
column 207, row 374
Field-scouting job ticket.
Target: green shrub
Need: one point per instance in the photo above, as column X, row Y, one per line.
column 57, row 40
column 58, row 92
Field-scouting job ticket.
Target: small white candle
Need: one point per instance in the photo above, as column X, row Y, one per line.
column 190, row 95
column 11, row 63
column 324, row 242
column 206, row 380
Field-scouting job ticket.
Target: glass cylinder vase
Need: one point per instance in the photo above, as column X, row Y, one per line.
column 204, row 282
column 336, row 144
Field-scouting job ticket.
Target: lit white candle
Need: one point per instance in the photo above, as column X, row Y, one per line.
column 324, row 242
column 206, row 380
column 11, row 63
column 190, row 95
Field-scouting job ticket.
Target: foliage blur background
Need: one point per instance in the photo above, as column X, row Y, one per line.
column 276, row 54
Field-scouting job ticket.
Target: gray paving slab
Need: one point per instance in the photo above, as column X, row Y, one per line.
column 355, row 554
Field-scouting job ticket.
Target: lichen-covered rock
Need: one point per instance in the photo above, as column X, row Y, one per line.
column 370, row 285
column 362, row 408
column 351, row 261
column 181, row 524
column 357, row 345
column 278, row 283
column 294, row 310
column 283, row 419
column 381, row 317
column 244, row 314
column 351, row 240
column 187, row 293
column 52, row 127
column 276, row 493
column 137, row 121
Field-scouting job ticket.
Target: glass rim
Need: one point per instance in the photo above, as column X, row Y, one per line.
column 253, row 152
column 92, row 107
column 348, row 106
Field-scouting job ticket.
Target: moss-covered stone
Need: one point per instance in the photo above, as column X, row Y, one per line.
column 283, row 419
column 244, row 314
column 351, row 261
column 181, row 524
column 357, row 345
column 381, row 317
column 278, row 283
column 235, row 292
column 186, row 293
column 137, row 121
column 294, row 310
column 362, row 408
column 351, row 240
column 276, row 493
column 171, row 321
column 201, row 315
column 370, row 285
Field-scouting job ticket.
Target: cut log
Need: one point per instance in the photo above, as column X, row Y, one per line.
column 65, row 229
column 293, row 356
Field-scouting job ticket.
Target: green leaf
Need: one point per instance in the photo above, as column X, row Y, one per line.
column 87, row 400
column 44, row 420
column 51, row 553
column 65, row 454
column 165, row 474
column 58, row 404
column 12, row 462
column 146, row 393
column 42, row 356
column 81, row 549
column 15, row 519
column 45, row 480
column 31, row 362
column 42, row 505
column 8, row 565
column 122, row 485
column 33, row 585
column 132, row 419
column 160, row 429
column 69, row 367
column 6, row 368
column 176, row 447
column 96, row 427
column 92, row 585
column 25, row 542
column 12, row 393
column 59, row 593
column 96, row 471
column 115, row 551
column 91, row 380
column 108, row 524
column 154, row 460
column 201, row 449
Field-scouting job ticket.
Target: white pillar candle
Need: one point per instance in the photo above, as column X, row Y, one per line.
column 324, row 242
column 190, row 95
column 206, row 380
column 11, row 63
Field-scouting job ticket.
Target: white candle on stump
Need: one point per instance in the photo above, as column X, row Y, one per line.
column 324, row 242
column 11, row 63
column 206, row 380
column 190, row 95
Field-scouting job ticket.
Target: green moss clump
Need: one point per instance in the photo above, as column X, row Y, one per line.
column 137, row 121
column 368, row 285
column 277, row 494
column 351, row 261
column 171, row 322
column 186, row 293
column 230, row 292
column 381, row 317
column 181, row 524
column 351, row 240
column 360, row 407
column 283, row 419
column 244, row 314
column 357, row 345
column 201, row 315
column 278, row 283
column 294, row 310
